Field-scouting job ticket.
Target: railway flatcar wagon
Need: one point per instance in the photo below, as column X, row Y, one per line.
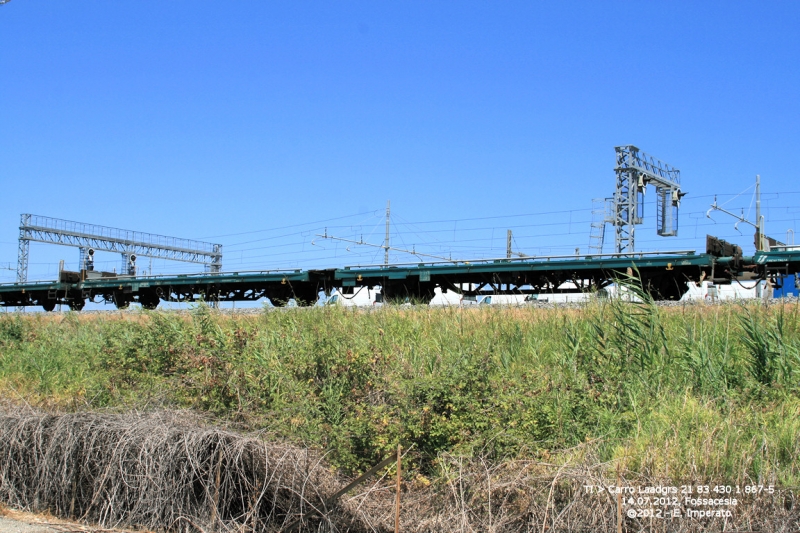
column 665, row 275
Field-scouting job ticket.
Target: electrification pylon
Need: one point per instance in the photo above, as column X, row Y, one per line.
column 635, row 170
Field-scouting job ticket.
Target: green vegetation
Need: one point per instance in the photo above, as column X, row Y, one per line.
column 691, row 393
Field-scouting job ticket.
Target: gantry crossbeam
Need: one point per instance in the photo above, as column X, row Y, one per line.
column 90, row 236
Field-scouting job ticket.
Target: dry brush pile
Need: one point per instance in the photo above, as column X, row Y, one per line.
column 163, row 471
column 171, row 471
column 538, row 497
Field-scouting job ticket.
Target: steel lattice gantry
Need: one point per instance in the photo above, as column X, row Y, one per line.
column 128, row 243
column 634, row 170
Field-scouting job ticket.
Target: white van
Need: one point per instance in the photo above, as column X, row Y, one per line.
column 536, row 298
column 356, row 297
column 445, row 297
column 711, row 292
column 502, row 299
column 468, row 299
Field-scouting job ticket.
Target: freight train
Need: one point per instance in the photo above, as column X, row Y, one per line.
column 663, row 274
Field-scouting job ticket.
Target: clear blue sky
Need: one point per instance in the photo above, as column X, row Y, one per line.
column 247, row 123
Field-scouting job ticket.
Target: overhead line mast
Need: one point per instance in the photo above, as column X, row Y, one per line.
column 386, row 243
column 634, row 170
column 761, row 241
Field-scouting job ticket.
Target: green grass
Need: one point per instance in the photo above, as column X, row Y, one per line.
column 690, row 393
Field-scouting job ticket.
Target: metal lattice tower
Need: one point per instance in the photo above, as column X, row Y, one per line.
column 23, row 252
column 634, row 170
column 602, row 214
column 126, row 242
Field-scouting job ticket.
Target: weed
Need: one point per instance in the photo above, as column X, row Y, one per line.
column 661, row 387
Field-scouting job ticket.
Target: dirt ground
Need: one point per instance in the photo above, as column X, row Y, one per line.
column 13, row 521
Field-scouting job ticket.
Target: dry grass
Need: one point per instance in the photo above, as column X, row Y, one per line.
column 171, row 471
column 162, row 471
